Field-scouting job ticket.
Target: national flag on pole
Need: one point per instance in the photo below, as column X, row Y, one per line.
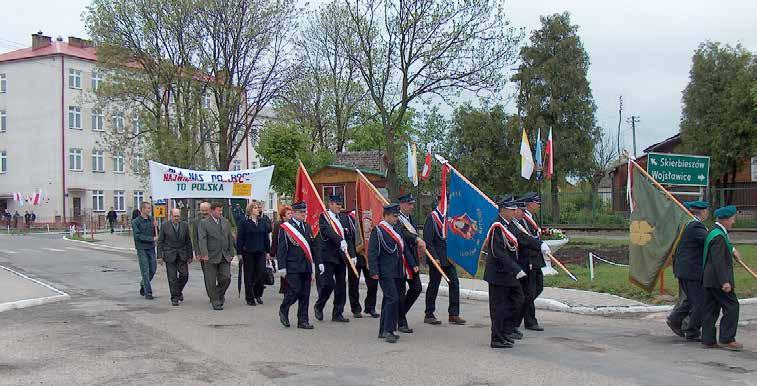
column 526, row 158
column 657, row 222
column 538, row 157
column 36, row 197
column 412, row 163
column 18, row 198
column 549, row 152
column 305, row 191
column 426, row 171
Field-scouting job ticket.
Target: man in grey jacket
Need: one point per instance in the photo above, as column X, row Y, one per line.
column 216, row 250
column 143, row 231
column 175, row 248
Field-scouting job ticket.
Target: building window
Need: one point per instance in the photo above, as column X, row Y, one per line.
column 74, row 117
column 98, row 201
column 332, row 190
column 118, row 123
column 236, row 165
column 136, row 127
column 98, row 120
column 254, row 164
column 118, row 200
column 3, row 84
column 74, row 78
column 139, row 196
column 270, row 200
column 3, row 121
column 118, row 163
column 74, row 159
column 206, row 100
column 136, row 164
column 96, row 79
column 3, row 161
column 98, row 161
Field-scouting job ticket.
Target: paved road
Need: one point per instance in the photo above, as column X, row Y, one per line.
column 107, row 334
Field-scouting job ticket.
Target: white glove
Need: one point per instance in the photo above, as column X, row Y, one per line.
column 354, row 261
column 343, row 246
column 520, row 275
column 321, row 268
column 282, row 272
column 545, row 249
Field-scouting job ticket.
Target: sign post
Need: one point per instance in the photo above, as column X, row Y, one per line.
column 679, row 169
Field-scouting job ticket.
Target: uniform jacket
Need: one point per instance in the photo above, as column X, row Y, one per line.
column 350, row 231
column 289, row 255
column 329, row 242
column 144, row 233
column 501, row 262
column 718, row 269
column 410, row 240
column 384, row 257
column 527, row 245
column 436, row 244
column 174, row 246
column 215, row 240
column 534, row 256
column 687, row 261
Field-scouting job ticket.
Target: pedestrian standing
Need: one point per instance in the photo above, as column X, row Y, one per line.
column 216, row 250
column 112, row 217
column 388, row 266
column 295, row 258
column 175, row 248
column 143, row 231
column 254, row 248
column 27, row 219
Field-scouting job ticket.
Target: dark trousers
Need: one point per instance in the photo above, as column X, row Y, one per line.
column 390, row 304
column 532, row 286
column 178, row 275
column 716, row 300
column 505, row 304
column 298, row 290
column 253, row 266
column 435, row 278
column 217, row 280
column 333, row 280
column 147, row 267
column 112, row 226
column 408, row 296
column 688, row 312
column 354, row 290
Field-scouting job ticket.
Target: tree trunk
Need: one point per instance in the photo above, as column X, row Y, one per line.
column 392, row 182
column 555, row 201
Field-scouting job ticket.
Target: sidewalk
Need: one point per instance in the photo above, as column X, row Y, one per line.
column 20, row 291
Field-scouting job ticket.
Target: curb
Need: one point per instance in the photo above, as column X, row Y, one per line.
column 33, row 302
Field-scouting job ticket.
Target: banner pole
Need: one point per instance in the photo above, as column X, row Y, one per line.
column 559, row 264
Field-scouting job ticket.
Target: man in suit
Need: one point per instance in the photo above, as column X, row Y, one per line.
column 353, row 282
column 216, row 250
column 717, row 280
column 435, row 236
column 686, row 318
column 331, row 262
column 503, row 273
column 295, row 258
column 413, row 243
column 175, row 248
column 387, row 265
column 143, row 231
column 534, row 254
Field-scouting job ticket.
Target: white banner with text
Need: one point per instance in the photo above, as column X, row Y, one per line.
column 174, row 182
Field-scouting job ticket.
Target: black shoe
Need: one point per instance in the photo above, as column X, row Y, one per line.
column 149, row 297
column 507, row 339
column 175, row 302
column 251, row 303
column 305, row 326
column 497, row 344
column 318, row 313
column 141, row 291
column 405, row 330
column 535, row 327
column 513, row 336
column 284, row 318
column 676, row 328
column 391, row 338
column 432, row 320
column 217, row 307
column 694, row 338
column 517, row 333
column 340, row 319
column 259, row 300
column 373, row 314
column 357, row 315
column 181, row 297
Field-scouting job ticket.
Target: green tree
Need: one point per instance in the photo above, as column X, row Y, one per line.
column 718, row 117
column 283, row 145
column 554, row 92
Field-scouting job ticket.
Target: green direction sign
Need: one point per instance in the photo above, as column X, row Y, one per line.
column 679, row 169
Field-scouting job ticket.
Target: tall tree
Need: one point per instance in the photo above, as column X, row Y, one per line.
column 406, row 51
column 555, row 93
column 718, row 117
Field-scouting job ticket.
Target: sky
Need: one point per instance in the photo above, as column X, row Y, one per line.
column 640, row 49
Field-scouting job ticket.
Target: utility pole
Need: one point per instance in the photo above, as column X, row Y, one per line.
column 633, row 120
column 620, row 119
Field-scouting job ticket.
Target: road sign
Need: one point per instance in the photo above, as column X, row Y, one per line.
column 159, row 211
column 679, row 169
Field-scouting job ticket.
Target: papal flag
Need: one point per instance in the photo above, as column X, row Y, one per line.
column 657, row 222
column 526, row 157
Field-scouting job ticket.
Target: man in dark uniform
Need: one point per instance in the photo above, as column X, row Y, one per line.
column 686, row 318
column 530, row 203
column 434, row 234
column 503, row 273
column 718, row 283
column 353, row 282
column 295, row 260
column 413, row 243
column 387, row 265
column 331, row 261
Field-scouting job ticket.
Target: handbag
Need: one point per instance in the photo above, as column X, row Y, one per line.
column 269, row 274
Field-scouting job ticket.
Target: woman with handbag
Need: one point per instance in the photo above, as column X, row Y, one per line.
column 254, row 247
column 285, row 214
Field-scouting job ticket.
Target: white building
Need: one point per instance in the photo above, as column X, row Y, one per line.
column 51, row 138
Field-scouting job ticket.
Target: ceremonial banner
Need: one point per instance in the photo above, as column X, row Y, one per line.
column 305, row 191
column 470, row 213
column 657, row 222
column 526, row 157
column 174, row 182
column 370, row 207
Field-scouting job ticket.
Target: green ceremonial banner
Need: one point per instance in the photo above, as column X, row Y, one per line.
column 657, row 221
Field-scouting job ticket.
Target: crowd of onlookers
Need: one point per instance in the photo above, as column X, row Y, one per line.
column 12, row 220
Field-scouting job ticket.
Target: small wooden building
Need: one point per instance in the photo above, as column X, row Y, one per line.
column 339, row 177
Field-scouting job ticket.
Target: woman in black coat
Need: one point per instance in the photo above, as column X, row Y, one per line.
column 254, row 246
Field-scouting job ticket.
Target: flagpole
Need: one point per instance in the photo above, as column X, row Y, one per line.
column 444, row 161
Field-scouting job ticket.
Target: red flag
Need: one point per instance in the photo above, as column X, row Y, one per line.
column 549, row 151
column 426, row 171
column 370, row 207
column 305, row 191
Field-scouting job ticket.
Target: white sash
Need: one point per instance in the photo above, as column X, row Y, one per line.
column 406, row 223
column 298, row 238
column 336, row 224
column 386, row 227
column 511, row 242
column 533, row 224
column 439, row 221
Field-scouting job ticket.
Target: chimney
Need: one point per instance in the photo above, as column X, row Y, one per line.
column 79, row 42
column 40, row 41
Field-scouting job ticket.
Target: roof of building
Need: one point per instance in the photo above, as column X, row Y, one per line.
column 668, row 142
column 55, row 48
column 363, row 160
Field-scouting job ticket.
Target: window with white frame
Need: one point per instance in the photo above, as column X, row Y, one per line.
column 270, row 200
column 236, row 165
column 136, row 164
column 136, row 127
column 3, row 121
column 139, row 196
column 98, row 201
column 74, row 78
column 3, row 84
column 332, row 190
column 118, row 163
column 74, row 159
column 118, row 123
column 3, row 161
column 118, row 200
column 98, row 161
column 206, row 100
column 74, row 117
column 98, row 120
column 96, row 79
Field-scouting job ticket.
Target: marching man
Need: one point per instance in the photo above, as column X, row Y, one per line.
column 531, row 202
column 332, row 266
column 295, row 260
